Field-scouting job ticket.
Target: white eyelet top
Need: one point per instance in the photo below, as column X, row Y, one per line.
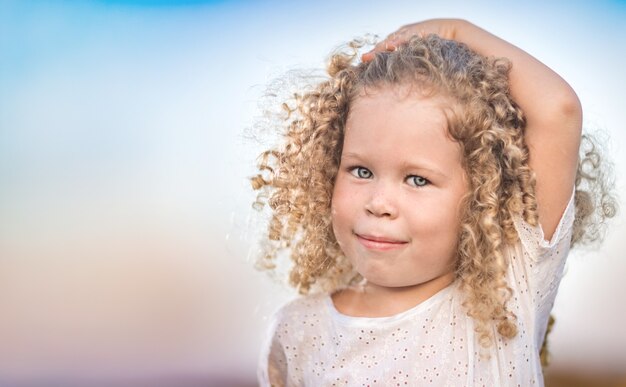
column 310, row 343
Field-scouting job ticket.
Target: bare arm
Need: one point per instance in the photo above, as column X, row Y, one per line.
column 552, row 109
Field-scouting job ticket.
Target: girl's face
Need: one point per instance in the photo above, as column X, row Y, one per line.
column 396, row 200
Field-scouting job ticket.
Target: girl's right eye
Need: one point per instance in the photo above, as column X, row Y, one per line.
column 361, row 172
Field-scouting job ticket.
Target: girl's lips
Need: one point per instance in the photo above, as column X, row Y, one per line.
column 379, row 243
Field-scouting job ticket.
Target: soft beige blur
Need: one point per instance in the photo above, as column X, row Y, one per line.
column 140, row 300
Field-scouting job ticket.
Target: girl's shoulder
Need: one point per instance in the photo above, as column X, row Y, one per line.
column 301, row 308
column 532, row 238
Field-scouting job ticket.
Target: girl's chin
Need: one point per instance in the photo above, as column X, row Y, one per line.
column 381, row 280
column 391, row 280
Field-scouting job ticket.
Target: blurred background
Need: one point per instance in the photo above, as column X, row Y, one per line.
column 127, row 236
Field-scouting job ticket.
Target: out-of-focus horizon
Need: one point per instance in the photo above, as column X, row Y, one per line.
column 126, row 246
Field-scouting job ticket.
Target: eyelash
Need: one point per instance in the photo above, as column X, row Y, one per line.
column 357, row 168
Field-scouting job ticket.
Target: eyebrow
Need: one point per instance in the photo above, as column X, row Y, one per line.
column 404, row 165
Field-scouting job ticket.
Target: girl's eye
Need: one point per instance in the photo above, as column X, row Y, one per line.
column 417, row 181
column 361, row 173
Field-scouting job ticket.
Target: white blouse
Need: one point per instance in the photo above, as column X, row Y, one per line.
column 310, row 343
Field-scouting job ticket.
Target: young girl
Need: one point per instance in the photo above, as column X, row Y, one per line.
column 427, row 218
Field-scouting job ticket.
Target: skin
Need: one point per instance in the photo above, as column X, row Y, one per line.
column 552, row 109
column 401, row 179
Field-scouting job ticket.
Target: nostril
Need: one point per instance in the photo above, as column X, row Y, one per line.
column 380, row 206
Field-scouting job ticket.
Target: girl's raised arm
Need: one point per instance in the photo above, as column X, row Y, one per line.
column 552, row 109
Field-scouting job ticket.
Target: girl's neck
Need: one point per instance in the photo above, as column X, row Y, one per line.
column 371, row 300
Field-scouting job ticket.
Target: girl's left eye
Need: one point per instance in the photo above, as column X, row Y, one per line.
column 417, row 181
column 361, row 172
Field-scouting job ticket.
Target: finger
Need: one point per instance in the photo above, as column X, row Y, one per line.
column 384, row 46
column 380, row 47
column 368, row 56
column 388, row 46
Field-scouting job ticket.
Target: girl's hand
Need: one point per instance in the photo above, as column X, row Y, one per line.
column 446, row 28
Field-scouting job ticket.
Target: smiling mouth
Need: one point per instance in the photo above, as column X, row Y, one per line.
column 379, row 243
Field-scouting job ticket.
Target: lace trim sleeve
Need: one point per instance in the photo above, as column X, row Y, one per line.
column 533, row 238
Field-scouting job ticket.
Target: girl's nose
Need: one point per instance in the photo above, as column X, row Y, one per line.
column 380, row 205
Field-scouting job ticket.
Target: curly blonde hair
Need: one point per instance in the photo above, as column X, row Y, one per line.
column 297, row 178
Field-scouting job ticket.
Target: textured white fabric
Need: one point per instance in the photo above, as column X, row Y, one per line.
column 310, row 343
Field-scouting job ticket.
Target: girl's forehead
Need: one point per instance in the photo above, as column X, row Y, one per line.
column 411, row 96
column 403, row 91
column 391, row 107
column 403, row 97
column 400, row 130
